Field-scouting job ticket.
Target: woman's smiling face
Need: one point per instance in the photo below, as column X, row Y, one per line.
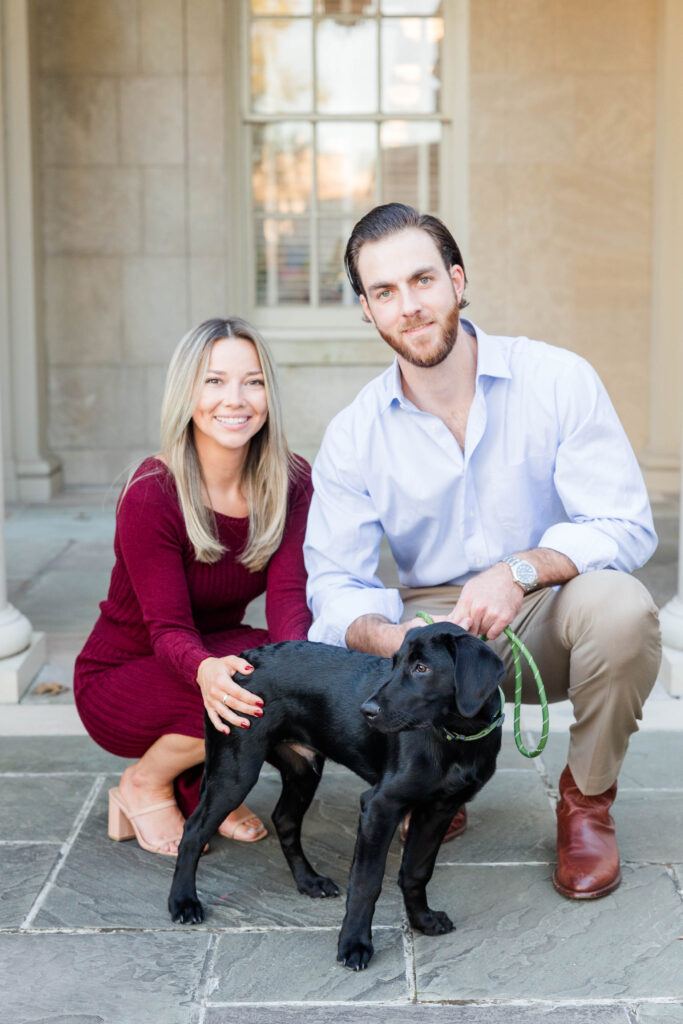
column 231, row 405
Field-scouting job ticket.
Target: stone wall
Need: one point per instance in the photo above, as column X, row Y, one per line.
column 132, row 106
column 561, row 182
column 131, row 118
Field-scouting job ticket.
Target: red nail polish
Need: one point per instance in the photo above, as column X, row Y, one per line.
column 249, row 668
column 259, row 714
column 245, row 725
column 259, row 702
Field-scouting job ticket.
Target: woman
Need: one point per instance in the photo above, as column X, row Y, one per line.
column 214, row 520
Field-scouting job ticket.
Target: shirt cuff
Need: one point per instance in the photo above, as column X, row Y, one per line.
column 339, row 612
column 588, row 547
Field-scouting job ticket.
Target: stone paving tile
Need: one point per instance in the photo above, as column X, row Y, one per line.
column 497, row 831
column 85, row 557
column 65, row 601
column 517, row 938
column 23, row 870
column 654, row 760
column 658, row 1013
column 509, row 758
column 107, row 884
column 67, row 523
column 419, row 1013
column 27, row 560
column 100, row 979
column 649, row 826
column 56, row 754
column 42, row 808
column 301, row 965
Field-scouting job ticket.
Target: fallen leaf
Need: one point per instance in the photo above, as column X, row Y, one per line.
column 50, row 689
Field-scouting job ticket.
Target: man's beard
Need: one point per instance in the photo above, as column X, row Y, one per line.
column 448, row 335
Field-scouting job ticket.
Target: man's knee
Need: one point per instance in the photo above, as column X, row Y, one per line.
column 616, row 612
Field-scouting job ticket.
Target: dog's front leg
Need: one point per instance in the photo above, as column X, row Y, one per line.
column 379, row 816
column 428, row 826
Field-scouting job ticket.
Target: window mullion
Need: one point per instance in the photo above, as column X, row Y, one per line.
column 313, row 275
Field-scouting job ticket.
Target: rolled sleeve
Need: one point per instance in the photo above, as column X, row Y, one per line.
column 589, row 548
column 347, row 605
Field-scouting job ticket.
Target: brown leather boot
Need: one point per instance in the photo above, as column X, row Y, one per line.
column 587, row 853
column 456, row 828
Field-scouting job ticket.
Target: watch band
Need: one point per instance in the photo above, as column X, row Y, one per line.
column 523, row 573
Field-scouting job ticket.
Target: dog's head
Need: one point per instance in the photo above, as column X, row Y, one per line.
column 439, row 670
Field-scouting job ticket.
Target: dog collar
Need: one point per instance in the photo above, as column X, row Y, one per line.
column 484, row 732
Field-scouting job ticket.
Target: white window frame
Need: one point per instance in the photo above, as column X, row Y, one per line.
column 330, row 333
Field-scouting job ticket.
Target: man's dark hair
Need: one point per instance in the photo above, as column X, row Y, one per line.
column 387, row 220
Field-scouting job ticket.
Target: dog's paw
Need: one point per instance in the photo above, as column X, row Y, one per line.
column 355, row 956
column 318, row 887
column 433, row 922
column 186, row 911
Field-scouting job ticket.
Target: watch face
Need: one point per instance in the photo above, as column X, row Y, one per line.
column 526, row 573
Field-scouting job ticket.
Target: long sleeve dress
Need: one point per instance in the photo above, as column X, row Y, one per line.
column 135, row 679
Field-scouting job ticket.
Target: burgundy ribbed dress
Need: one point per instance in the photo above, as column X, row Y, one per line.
column 135, row 679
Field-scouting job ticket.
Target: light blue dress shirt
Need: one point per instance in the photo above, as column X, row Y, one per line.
column 546, row 464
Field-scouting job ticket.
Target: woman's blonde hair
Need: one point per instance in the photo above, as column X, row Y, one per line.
column 268, row 464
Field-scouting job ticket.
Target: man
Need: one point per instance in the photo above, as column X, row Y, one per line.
column 510, row 495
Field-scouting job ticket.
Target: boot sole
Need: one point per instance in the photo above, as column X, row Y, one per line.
column 572, row 894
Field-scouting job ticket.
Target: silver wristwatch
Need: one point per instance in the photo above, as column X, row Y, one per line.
column 523, row 573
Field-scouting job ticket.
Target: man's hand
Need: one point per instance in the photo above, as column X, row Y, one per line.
column 373, row 634
column 488, row 602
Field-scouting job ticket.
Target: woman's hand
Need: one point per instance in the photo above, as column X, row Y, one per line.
column 223, row 696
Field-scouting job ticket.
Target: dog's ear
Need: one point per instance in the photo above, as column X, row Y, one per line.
column 478, row 672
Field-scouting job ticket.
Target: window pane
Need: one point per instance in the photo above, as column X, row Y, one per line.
column 281, row 66
column 333, row 7
column 346, row 56
column 334, row 285
column 282, row 261
column 346, row 164
column 282, row 167
column 411, row 65
column 422, row 7
column 410, row 163
column 281, row 6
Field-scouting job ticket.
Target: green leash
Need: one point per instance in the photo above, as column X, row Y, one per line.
column 517, row 648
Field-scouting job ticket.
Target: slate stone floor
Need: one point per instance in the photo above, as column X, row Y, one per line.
column 85, row 937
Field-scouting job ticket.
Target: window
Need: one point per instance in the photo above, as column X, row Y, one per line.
column 343, row 107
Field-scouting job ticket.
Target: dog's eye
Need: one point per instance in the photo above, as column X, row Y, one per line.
column 419, row 667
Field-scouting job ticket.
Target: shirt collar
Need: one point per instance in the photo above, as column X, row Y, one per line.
column 493, row 360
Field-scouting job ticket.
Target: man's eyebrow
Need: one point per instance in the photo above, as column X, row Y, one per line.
column 378, row 285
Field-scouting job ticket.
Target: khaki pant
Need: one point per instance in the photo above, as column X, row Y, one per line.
column 596, row 641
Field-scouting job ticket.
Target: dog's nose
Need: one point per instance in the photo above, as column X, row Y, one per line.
column 370, row 709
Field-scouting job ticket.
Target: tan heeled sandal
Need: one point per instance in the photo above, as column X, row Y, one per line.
column 122, row 824
column 247, row 829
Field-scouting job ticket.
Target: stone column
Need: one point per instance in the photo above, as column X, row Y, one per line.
column 22, row 652
column 15, row 629
column 36, row 473
column 667, row 298
column 661, row 458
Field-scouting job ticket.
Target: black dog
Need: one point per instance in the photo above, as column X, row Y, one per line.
column 398, row 724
